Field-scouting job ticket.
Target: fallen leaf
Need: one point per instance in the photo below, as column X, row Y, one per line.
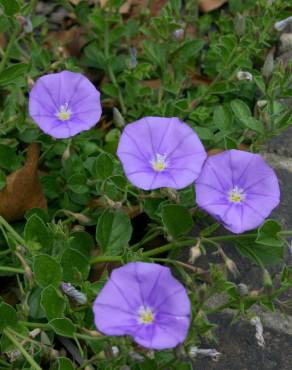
column 71, row 40
column 208, row 5
column 154, row 84
column 214, row 151
column 23, row 190
column 198, row 79
column 125, row 8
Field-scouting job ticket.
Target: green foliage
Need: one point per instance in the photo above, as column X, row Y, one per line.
column 177, row 219
column 113, row 232
column 96, row 219
column 47, row 270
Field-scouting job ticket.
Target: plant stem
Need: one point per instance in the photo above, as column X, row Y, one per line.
column 168, row 247
column 45, row 326
column 103, row 259
column 110, row 70
column 185, row 243
column 15, row 235
column 145, row 240
column 3, row 253
column 12, row 269
column 9, row 46
column 34, row 325
column 22, row 350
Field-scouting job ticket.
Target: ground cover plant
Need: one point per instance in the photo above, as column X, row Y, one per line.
column 131, row 131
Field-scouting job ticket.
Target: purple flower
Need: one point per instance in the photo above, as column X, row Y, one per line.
column 160, row 152
column 238, row 188
column 64, row 104
column 145, row 301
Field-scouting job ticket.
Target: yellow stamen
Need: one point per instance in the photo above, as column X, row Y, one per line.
column 146, row 315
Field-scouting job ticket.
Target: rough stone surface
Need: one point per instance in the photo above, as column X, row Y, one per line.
column 240, row 350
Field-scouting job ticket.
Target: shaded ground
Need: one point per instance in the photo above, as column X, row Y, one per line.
column 241, row 352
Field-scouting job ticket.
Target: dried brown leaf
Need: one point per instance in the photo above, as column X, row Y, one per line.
column 72, row 41
column 154, row 84
column 208, row 5
column 23, row 190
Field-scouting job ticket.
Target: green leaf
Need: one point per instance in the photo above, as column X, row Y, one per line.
column 63, row 327
column 75, row 266
column 155, row 52
column 82, row 242
column 47, row 270
column 10, row 74
column 266, row 255
column 176, row 219
column 222, row 117
column 268, row 234
column 113, row 231
column 2, row 180
column 103, row 167
column 78, row 183
column 240, row 109
column 8, row 158
column 52, row 302
column 254, row 124
column 36, row 234
column 64, row 364
column 8, row 316
column 10, row 6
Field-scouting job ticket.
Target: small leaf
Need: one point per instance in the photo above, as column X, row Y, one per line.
column 103, row 167
column 65, row 364
column 63, row 327
column 77, row 183
column 10, row 74
column 47, row 270
column 176, row 219
column 75, row 266
column 35, row 231
column 268, row 234
column 8, row 316
column 10, row 6
column 52, row 302
column 113, row 231
column 254, row 124
column 240, row 109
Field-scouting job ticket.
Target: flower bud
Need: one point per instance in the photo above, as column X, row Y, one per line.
column 195, row 252
column 178, row 34
column 73, row 293
column 286, row 41
column 242, row 289
column 262, row 103
column 231, row 266
column 66, row 154
column 244, row 76
column 239, row 24
column 25, row 23
column 281, row 25
column 118, row 118
column 268, row 66
column 115, row 351
column 133, row 58
column 267, row 281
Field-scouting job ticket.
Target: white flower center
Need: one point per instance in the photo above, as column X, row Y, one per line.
column 64, row 112
column 145, row 315
column 236, row 195
column 159, row 162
